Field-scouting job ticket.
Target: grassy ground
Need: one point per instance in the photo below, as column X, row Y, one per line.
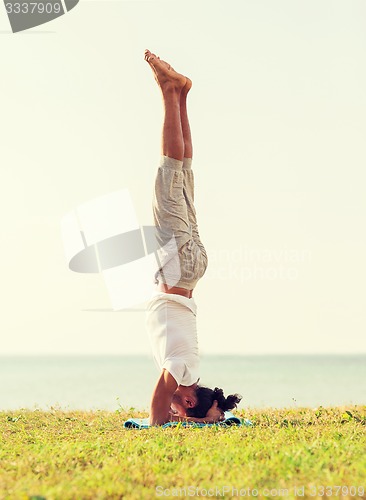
column 89, row 455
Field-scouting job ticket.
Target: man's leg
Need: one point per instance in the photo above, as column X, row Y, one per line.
column 186, row 130
column 196, row 254
column 169, row 205
column 188, row 189
column 171, row 84
column 174, row 190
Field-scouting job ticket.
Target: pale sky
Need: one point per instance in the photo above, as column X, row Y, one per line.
column 277, row 113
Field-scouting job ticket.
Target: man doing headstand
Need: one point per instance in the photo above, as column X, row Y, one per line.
column 171, row 314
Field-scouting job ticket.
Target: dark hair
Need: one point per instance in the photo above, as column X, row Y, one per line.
column 207, row 396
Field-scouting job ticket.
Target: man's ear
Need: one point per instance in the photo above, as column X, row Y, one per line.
column 191, row 403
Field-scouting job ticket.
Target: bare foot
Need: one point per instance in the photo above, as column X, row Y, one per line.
column 164, row 74
column 187, row 87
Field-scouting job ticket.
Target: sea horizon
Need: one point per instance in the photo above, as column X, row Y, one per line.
column 113, row 381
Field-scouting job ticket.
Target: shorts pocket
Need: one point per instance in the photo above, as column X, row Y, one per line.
column 193, row 261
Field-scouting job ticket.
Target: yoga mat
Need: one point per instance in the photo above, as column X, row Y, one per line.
column 230, row 419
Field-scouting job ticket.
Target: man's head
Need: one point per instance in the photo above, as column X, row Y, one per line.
column 195, row 400
column 184, row 399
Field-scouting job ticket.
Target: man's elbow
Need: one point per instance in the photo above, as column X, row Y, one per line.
column 159, row 409
column 157, row 420
column 162, row 398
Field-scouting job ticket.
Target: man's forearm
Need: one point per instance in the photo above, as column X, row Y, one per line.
column 161, row 399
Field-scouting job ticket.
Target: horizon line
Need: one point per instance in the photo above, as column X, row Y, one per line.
column 70, row 354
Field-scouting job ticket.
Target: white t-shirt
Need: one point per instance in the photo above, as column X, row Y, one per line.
column 172, row 330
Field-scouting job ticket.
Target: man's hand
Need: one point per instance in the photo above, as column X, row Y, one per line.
column 214, row 414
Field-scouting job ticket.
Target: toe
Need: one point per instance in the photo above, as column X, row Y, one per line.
column 148, row 55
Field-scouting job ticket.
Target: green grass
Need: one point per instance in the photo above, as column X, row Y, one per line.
column 89, row 455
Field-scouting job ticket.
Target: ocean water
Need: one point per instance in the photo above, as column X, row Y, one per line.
column 111, row 382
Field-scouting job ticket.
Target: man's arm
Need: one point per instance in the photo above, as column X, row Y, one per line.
column 162, row 399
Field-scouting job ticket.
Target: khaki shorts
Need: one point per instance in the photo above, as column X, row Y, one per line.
column 182, row 258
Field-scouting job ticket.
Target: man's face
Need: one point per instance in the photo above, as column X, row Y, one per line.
column 183, row 398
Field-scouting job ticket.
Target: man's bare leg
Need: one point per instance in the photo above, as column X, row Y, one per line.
column 171, row 84
column 187, row 160
column 187, row 138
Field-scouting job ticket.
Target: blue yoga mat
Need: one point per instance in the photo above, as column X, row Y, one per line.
column 230, row 419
